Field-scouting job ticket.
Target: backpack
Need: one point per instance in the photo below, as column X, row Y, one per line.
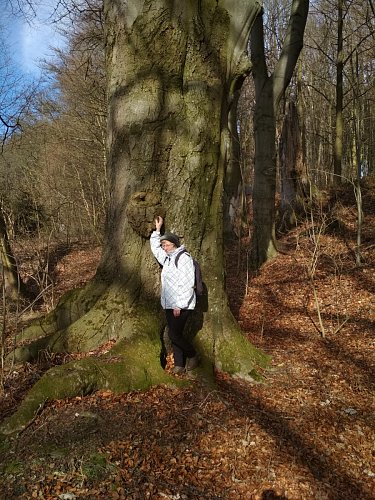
column 198, row 284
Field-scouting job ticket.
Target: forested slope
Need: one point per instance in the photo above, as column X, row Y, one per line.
column 306, row 432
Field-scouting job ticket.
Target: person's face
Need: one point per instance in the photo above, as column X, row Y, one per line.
column 168, row 246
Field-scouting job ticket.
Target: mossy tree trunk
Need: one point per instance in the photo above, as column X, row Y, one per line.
column 269, row 90
column 173, row 68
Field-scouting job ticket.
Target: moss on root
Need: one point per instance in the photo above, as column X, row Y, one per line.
column 237, row 357
column 137, row 368
column 241, row 359
column 134, row 362
column 108, row 319
column 72, row 306
column 230, row 351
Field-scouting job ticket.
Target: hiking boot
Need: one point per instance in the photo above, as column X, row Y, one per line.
column 178, row 370
column 192, row 363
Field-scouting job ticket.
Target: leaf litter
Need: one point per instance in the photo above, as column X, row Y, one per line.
column 306, row 432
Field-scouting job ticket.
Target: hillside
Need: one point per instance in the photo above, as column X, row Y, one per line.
column 307, row 432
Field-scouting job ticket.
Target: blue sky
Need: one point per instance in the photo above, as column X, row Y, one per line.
column 29, row 42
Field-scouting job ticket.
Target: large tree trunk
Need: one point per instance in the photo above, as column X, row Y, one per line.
column 172, row 67
column 269, row 89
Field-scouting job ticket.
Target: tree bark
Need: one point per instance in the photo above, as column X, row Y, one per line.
column 172, row 69
column 269, row 90
column 292, row 170
column 339, row 120
column 13, row 286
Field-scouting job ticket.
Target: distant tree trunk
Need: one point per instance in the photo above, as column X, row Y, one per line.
column 171, row 67
column 357, row 160
column 339, row 123
column 269, row 90
column 233, row 182
column 291, row 167
column 12, row 283
column 301, row 115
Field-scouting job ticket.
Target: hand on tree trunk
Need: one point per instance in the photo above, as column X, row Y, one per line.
column 158, row 222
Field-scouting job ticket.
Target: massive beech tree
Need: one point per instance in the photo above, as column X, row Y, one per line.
column 173, row 68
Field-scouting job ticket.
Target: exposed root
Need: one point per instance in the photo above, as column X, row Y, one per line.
column 71, row 307
column 136, row 368
column 232, row 353
column 134, row 362
column 81, row 322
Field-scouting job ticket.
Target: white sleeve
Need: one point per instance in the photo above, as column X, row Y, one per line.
column 156, row 249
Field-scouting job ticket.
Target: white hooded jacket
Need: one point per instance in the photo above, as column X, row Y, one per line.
column 177, row 282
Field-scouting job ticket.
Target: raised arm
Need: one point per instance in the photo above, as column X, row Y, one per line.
column 156, row 249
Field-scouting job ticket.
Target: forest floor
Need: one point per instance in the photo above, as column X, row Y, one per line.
column 307, row 432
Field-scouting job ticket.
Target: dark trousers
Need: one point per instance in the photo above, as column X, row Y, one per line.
column 182, row 348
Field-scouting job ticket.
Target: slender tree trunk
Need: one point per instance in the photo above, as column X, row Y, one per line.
column 302, row 125
column 12, row 284
column 291, row 168
column 357, row 119
column 233, row 182
column 264, row 189
column 339, row 123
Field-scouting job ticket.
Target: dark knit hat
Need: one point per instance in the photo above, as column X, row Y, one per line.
column 173, row 238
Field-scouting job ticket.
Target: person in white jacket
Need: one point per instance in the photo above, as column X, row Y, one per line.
column 177, row 293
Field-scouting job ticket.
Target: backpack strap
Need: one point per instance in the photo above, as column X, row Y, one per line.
column 179, row 255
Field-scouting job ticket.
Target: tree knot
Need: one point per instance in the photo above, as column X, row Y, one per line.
column 141, row 211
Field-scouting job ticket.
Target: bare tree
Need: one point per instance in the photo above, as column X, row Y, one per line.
column 15, row 96
column 269, row 89
column 337, row 34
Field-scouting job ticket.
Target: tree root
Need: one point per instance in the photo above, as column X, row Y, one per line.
column 134, row 362
column 230, row 351
column 82, row 321
column 72, row 306
column 137, row 368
